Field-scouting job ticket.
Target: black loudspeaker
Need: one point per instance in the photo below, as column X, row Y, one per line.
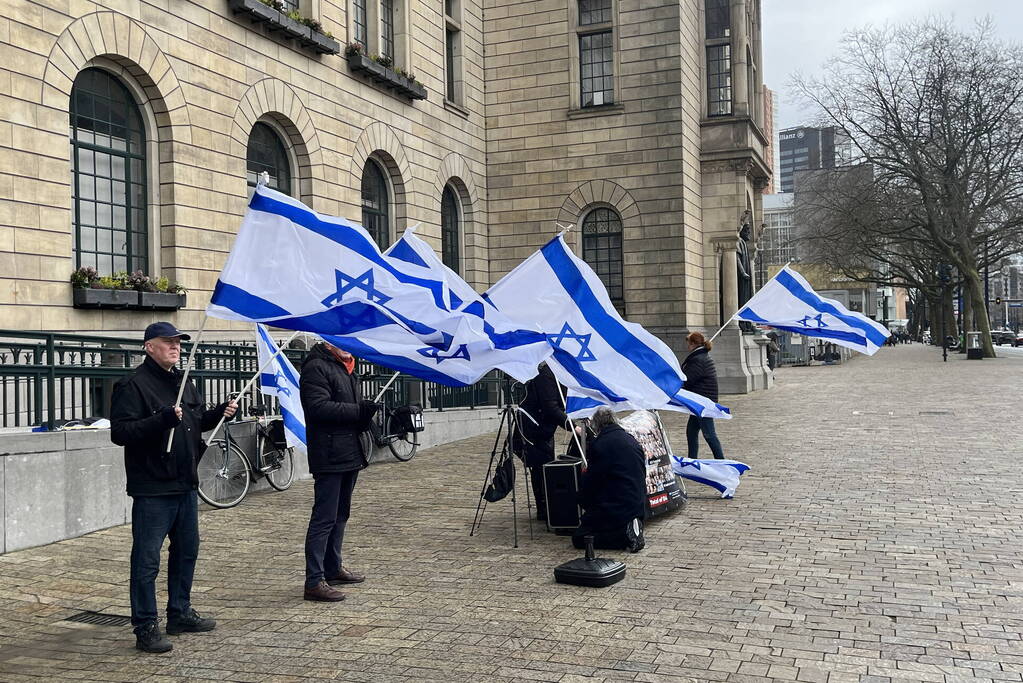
column 561, row 488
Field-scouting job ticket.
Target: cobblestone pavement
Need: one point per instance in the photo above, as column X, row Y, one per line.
column 877, row 538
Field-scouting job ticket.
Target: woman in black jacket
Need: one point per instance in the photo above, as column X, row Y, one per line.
column 701, row 378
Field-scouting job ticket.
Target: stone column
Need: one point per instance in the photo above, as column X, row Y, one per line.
column 726, row 248
column 740, row 79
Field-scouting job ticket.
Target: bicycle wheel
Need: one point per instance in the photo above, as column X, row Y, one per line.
column 223, row 474
column 366, row 440
column 281, row 464
column 403, row 446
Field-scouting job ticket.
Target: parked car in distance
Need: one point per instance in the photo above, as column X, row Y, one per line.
column 1003, row 336
column 1018, row 341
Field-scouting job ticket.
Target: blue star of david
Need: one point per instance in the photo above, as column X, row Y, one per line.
column 281, row 384
column 805, row 322
column 364, row 319
column 346, row 283
column 431, row 352
column 567, row 332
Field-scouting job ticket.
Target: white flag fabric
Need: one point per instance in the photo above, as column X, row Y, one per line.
column 787, row 302
column 280, row 379
column 296, row 269
column 601, row 358
column 518, row 350
column 722, row 475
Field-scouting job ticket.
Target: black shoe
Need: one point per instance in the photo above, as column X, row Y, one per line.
column 149, row 639
column 634, row 535
column 190, row 623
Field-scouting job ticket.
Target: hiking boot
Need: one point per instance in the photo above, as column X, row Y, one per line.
column 634, row 535
column 346, row 576
column 322, row 592
column 149, row 639
column 189, row 623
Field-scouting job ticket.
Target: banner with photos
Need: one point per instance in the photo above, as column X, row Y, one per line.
column 663, row 492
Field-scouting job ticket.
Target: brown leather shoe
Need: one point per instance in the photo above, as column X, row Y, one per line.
column 323, row 593
column 346, row 576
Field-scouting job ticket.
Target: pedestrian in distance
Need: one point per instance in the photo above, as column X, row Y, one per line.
column 701, row 378
column 612, row 491
column 162, row 484
column 335, row 415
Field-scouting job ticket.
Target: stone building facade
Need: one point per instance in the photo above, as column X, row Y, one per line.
column 640, row 124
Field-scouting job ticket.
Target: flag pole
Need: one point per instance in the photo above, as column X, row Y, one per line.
column 252, row 380
column 727, row 322
column 575, row 436
column 389, row 383
column 184, row 377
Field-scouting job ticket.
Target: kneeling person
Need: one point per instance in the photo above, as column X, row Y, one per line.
column 612, row 492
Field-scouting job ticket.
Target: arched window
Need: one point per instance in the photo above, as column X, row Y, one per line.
column 266, row 152
column 108, row 169
column 449, row 247
column 375, row 207
column 602, row 250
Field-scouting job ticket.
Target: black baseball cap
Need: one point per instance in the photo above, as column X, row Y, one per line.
column 163, row 329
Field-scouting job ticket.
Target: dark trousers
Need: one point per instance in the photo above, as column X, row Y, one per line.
column 154, row 518
column 332, row 505
column 705, row 425
column 539, row 496
column 603, row 538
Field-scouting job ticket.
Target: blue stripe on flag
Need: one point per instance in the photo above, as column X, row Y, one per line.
column 293, row 424
column 401, row 363
column 817, row 303
column 648, row 361
column 823, row 333
column 346, row 236
column 272, row 346
column 243, row 303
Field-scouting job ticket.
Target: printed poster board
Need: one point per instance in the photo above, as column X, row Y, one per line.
column 664, row 493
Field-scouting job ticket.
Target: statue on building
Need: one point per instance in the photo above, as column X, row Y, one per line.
column 743, row 263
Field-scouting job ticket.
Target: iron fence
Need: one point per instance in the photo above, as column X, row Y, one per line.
column 47, row 378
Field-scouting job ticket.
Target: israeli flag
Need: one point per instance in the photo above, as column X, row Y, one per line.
column 280, row 379
column 293, row 268
column 722, row 475
column 518, row 349
column 601, row 358
column 788, row 302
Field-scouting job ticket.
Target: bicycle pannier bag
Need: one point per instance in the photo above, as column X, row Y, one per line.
column 276, row 430
column 408, row 418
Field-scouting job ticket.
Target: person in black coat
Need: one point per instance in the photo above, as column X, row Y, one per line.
column 162, row 484
column 534, row 442
column 701, row 378
column 612, row 492
column 335, row 415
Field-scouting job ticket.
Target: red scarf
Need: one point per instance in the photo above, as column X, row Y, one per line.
column 349, row 364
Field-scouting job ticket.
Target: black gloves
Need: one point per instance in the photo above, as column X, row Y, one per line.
column 367, row 409
column 170, row 417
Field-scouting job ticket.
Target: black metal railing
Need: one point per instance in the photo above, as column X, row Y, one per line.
column 47, row 379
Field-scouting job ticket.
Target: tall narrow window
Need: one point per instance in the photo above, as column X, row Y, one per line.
column 387, row 29
column 359, row 22
column 449, row 229
column 108, row 175
column 453, row 51
column 596, row 53
column 602, row 250
column 266, row 152
column 719, row 80
column 375, row 204
column 718, row 19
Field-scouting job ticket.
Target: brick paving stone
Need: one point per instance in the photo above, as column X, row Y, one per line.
column 875, row 539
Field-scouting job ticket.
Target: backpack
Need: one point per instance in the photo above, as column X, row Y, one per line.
column 503, row 480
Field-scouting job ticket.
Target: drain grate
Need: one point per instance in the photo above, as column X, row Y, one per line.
column 98, row 619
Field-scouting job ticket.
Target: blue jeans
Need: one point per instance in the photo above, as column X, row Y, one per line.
column 332, row 504
column 154, row 518
column 705, row 425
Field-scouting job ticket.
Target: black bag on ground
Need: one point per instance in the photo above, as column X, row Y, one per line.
column 503, row 480
column 408, row 419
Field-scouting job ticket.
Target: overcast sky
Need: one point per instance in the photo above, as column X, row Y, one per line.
column 800, row 35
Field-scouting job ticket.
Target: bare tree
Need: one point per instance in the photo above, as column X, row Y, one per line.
column 937, row 115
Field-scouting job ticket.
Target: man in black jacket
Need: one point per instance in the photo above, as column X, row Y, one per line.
column 162, row 485
column 612, row 491
column 545, row 412
column 335, row 416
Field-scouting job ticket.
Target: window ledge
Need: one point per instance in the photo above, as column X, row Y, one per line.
column 457, row 109
column 126, row 299
column 600, row 110
column 275, row 21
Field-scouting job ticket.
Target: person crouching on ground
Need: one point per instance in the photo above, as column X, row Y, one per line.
column 162, row 485
column 335, row 416
column 612, row 490
column 701, row 378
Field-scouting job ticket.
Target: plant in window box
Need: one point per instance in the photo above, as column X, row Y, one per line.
column 292, row 24
column 166, row 295
column 259, row 10
column 359, row 62
column 91, row 291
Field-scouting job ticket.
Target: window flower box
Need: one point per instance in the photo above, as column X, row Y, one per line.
column 278, row 22
column 161, row 301
column 360, row 63
column 256, row 10
column 323, row 44
column 105, row 298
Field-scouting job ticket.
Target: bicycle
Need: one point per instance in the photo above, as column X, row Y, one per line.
column 226, row 471
column 397, row 428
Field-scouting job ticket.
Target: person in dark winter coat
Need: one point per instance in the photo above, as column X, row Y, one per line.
column 162, row 485
column 701, row 378
column 335, row 414
column 545, row 412
column 612, row 492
